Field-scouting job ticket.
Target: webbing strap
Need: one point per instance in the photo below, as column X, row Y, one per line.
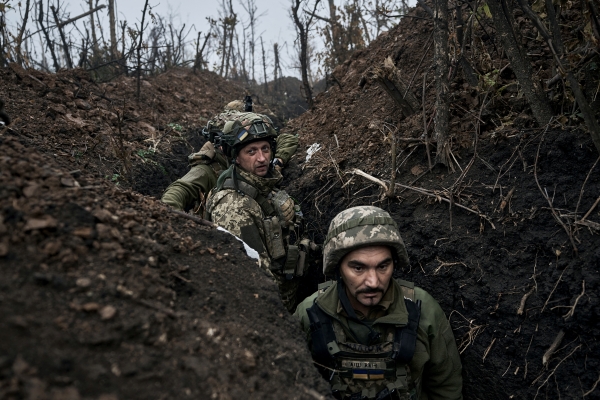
column 353, row 223
column 252, row 192
column 405, row 338
column 321, row 333
column 289, row 268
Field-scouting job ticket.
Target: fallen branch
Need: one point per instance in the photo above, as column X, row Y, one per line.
column 557, row 340
column 572, row 311
column 199, row 220
column 593, row 387
column 554, row 213
column 524, row 300
column 555, row 368
column 425, row 192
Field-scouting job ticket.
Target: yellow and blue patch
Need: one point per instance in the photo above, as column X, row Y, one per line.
column 242, row 135
column 367, row 374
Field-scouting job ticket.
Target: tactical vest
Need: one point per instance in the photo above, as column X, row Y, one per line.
column 288, row 259
column 358, row 371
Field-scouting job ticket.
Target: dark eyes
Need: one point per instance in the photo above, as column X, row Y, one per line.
column 265, row 149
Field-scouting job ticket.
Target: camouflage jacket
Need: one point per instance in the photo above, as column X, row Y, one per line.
column 435, row 368
column 243, row 216
column 206, row 166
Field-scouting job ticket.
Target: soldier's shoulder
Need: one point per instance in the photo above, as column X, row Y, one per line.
column 234, row 201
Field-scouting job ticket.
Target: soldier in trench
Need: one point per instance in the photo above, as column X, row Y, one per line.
column 247, row 203
column 372, row 336
column 189, row 192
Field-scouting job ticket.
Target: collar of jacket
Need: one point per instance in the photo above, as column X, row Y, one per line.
column 396, row 313
column 264, row 185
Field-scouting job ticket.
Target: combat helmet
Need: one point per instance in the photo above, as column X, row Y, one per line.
column 239, row 133
column 358, row 227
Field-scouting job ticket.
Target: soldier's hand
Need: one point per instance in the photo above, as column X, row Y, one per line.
column 278, row 164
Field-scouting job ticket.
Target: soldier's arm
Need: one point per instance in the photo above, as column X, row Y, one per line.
column 442, row 375
column 286, row 147
column 184, row 192
column 302, row 315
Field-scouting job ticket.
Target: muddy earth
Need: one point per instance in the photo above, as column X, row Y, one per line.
column 107, row 294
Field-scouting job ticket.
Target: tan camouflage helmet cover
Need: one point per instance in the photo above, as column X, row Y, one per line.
column 236, row 105
column 359, row 227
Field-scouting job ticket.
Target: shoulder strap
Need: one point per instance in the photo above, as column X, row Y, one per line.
column 405, row 338
column 321, row 334
column 252, row 192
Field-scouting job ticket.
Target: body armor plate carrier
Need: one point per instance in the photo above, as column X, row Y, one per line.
column 358, row 371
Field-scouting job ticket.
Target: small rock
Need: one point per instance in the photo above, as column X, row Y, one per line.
column 84, row 232
column 105, row 216
column 52, row 247
column 89, row 307
column 40, row 223
column 68, row 393
column 3, row 249
column 83, row 105
column 83, row 282
column 31, row 190
column 69, row 182
column 107, row 312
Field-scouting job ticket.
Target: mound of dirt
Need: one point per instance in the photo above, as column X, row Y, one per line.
column 507, row 242
column 106, row 294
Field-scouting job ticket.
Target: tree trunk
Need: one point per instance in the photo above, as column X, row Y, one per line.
column 442, row 66
column 113, row 28
column 19, row 39
column 63, row 38
column 276, row 67
column 262, row 46
column 93, row 29
column 303, row 55
column 139, row 52
column 47, row 35
column 521, row 64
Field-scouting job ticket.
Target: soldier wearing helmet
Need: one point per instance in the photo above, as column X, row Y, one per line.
column 247, row 203
column 375, row 337
column 190, row 191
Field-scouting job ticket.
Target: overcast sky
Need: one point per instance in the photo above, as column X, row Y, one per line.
column 274, row 23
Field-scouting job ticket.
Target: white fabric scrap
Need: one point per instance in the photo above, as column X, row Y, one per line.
column 312, row 150
column 249, row 250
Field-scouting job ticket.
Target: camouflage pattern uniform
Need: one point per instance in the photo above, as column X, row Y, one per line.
column 261, row 224
column 207, row 164
column 432, row 369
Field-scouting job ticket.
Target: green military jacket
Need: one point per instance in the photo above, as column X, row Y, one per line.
column 206, row 166
column 435, row 368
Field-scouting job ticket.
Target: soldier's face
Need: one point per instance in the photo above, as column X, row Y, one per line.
column 367, row 273
column 255, row 158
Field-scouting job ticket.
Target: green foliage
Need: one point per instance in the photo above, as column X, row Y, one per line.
column 145, row 154
column 175, row 127
column 114, row 178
